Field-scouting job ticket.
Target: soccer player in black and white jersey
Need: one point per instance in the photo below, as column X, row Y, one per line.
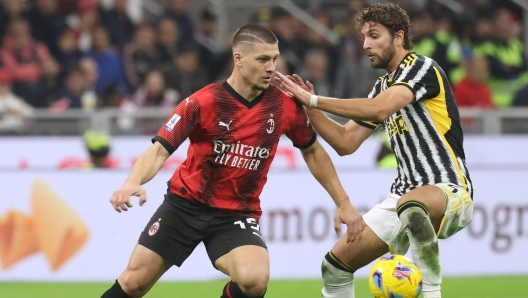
column 431, row 197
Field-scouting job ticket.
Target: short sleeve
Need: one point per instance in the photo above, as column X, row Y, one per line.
column 369, row 124
column 301, row 132
column 179, row 125
column 421, row 76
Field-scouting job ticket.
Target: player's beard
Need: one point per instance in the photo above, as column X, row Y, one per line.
column 385, row 58
column 260, row 87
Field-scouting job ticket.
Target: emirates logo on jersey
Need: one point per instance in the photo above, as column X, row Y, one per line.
column 239, row 155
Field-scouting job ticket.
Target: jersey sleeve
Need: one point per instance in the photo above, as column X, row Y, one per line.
column 301, row 132
column 372, row 124
column 421, row 77
column 179, row 125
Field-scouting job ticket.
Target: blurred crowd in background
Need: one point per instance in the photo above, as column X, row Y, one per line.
column 77, row 54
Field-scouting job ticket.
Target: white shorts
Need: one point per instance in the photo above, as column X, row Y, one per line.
column 383, row 218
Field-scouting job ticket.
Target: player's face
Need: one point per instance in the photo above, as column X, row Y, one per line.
column 378, row 43
column 258, row 65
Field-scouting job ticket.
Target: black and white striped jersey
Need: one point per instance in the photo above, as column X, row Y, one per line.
column 426, row 135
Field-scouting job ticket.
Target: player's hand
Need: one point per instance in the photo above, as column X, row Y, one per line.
column 291, row 86
column 120, row 199
column 350, row 216
column 306, row 86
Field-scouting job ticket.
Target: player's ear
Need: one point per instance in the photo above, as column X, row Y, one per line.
column 399, row 37
column 237, row 58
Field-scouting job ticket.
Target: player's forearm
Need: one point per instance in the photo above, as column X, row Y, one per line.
column 353, row 108
column 147, row 165
column 323, row 170
column 332, row 132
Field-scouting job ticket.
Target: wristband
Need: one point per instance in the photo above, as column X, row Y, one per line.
column 313, row 101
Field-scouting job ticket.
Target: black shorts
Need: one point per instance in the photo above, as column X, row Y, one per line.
column 179, row 225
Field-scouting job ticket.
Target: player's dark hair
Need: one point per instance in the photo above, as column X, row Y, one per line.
column 391, row 16
column 254, row 33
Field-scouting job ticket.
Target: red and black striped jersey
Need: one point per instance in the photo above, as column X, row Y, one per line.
column 232, row 144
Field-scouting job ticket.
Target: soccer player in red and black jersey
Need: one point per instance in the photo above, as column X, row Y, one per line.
column 234, row 128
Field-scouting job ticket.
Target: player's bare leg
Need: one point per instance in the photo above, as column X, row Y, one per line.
column 144, row 269
column 340, row 263
column 249, row 269
column 421, row 211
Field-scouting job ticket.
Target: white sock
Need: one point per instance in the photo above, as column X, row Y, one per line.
column 432, row 294
column 337, row 283
column 424, row 245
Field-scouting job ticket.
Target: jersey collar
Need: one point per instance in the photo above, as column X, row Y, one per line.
column 248, row 104
column 398, row 70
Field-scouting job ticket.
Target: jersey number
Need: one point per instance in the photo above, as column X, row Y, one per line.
column 251, row 222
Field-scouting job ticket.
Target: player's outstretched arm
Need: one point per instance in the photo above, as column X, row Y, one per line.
column 146, row 167
column 344, row 139
column 323, row 170
column 376, row 109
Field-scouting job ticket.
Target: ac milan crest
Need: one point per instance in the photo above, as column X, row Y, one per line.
column 154, row 228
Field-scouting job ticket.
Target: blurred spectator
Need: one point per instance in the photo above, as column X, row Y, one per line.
column 314, row 40
column 282, row 24
column 119, row 24
column 207, row 35
column 478, row 8
column 505, row 54
column 140, row 56
column 85, row 22
column 98, row 146
column 69, row 95
column 68, row 53
column 14, row 111
column 153, row 93
column 109, row 64
column 176, row 11
column 49, row 84
column 46, row 23
column 438, row 10
column 423, row 29
column 211, row 46
column 23, row 57
column 89, row 99
column 433, row 38
column 67, row 7
column 448, row 52
column 168, row 37
column 354, row 74
column 473, row 90
column 185, row 73
column 11, row 10
column 482, row 31
column 316, row 71
column 112, row 97
column 475, row 33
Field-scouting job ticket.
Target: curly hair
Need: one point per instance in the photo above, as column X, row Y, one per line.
column 391, row 16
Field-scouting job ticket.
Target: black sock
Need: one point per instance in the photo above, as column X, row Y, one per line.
column 232, row 290
column 115, row 292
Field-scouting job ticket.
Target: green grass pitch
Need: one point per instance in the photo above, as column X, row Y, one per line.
column 453, row 287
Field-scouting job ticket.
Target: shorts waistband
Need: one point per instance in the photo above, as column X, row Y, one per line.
column 178, row 198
